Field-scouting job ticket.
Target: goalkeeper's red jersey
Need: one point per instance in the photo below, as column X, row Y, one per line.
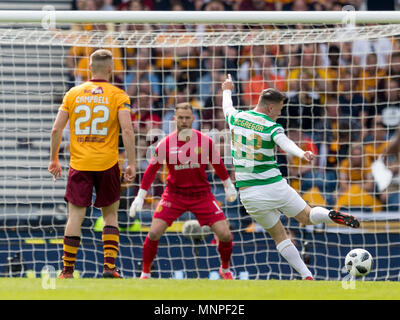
column 187, row 162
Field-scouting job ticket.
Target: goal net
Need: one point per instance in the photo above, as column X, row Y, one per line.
column 342, row 86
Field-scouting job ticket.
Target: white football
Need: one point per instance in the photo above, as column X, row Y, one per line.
column 358, row 262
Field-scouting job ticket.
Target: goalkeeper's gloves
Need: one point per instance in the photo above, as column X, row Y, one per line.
column 230, row 190
column 137, row 204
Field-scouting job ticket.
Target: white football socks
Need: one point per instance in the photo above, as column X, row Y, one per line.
column 319, row 215
column 288, row 250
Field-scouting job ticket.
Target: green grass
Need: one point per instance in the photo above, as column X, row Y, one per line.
column 168, row 289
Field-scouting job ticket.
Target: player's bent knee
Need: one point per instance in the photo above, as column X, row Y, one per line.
column 303, row 216
column 155, row 235
column 222, row 231
column 225, row 236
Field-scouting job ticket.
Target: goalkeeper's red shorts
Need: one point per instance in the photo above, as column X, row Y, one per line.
column 80, row 186
column 206, row 209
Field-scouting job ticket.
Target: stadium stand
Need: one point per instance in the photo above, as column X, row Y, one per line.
column 30, row 93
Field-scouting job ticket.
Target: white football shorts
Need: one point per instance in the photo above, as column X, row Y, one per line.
column 265, row 203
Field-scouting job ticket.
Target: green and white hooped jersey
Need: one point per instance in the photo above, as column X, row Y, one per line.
column 253, row 148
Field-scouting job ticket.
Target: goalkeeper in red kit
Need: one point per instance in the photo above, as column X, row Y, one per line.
column 187, row 153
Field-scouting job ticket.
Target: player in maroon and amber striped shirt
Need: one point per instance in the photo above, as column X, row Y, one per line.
column 187, row 153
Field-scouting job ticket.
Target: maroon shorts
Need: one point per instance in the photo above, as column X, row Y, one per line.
column 206, row 209
column 80, row 186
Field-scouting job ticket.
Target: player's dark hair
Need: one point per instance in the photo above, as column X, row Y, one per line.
column 270, row 95
column 184, row 105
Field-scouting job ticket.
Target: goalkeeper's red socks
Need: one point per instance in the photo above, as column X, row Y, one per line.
column 70, row 247
column 150, row 248
column 225, row 252
column 110, row 238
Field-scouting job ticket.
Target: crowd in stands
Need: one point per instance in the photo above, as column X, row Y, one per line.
column 343, row 99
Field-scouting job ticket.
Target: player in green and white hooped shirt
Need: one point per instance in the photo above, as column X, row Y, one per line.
column 263, row 191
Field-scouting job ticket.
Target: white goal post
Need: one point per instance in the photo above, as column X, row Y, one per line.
column 340, row 71
column 263, row 17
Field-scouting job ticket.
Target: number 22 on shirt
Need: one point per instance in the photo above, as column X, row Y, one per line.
column 98, row 116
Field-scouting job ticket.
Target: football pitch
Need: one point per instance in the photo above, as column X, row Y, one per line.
column 192, row 289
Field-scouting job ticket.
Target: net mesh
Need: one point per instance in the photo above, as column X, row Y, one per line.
column 342, row 87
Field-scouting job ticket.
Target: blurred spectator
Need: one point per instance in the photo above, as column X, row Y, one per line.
column 390, row 104
column 212, row 75
column 350, row 101
column 107, row 5
column 187, row 5
column 211, row 115
column 142, row 71
column 346, row 55
column 309, row 64
column 360, row 5
column 291, row 71
column 351, row 107
column 356, row 184
column 304, row 109
column 231, row 60
column 173, row 79
column 215, row 5
column 394, row 65
column 386, row 5
column 326, row 5
column 146, row 114
column 296, row 5
column 381, row 47
column 256, row 5
column 391, row 157
column 84, row 5
column 334, row 69
column 305, row 176
column 370, row 79
column 338, row 145
column 325, row 135
column 251, row 63
column 377, row 141
column 135, row 5
column 263, row 80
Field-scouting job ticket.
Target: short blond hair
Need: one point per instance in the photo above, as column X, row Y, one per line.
column 100, row 59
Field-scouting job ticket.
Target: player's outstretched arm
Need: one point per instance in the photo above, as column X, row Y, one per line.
column 55, row 140
column 227, row 104
column 290, row 147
